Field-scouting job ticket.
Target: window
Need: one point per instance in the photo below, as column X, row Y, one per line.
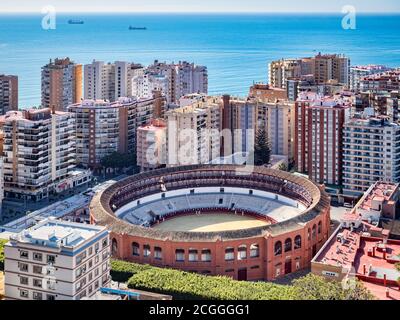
column 37, row 256
column 37, row 269
column 288, row 245
column 157, row 253
column 297, row 242
column 146, row 250
column 242, row 252
column 23, row 293
column 206, row 255
column 24, row 280
column 80, row 257
column 193, row 255
column 229, row 254
column 105, row 255
column 37, row 283
column 24, row 254
column 319, row 227
column 135, row 249
column 278, row 248
column 105, row 242
column 96, row 247
column 51, row 259
column 180, row 255
column 309, row 234
column 90, row 276
column 23, row 267
column 50, row 297
column 254, row 251
column 51, row 285
column 114, row 247
column 90, row 251
column 37, row 295
column 314, row 231
column 104, row 267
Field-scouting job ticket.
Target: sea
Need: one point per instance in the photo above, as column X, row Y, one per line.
column 236, row 48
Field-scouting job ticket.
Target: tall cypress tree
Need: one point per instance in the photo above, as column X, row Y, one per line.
column 262, row 148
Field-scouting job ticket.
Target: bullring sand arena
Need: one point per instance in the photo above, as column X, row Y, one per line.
column 216, row 220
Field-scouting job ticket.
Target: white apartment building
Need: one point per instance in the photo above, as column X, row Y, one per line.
column 143, row 85
column 277, row 119
column 151, row 145
column 359, row 72
column 371, row 147
column 57, row 260
column 109, row 81
column 39, row 152
column 1, row 184
column 193, row 133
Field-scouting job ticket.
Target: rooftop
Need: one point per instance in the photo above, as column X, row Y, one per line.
column 57, row 234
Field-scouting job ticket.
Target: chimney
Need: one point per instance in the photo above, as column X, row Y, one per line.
column 158, row 103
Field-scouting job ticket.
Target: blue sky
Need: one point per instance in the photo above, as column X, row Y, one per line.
column 381, row 6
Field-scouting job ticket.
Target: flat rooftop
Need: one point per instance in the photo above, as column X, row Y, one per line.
column 57, row 233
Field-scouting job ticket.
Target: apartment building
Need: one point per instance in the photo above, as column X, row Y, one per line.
column 239, row 124
column 359, row 72
column 323, row 68
column 39, row 152
column 278, row 120
column 143, row 85
column 266, row 93
column 151, row 145
column 387, row 81
column 319, row 123
column 193, row 132
column 182, row 78
column 104, row 127
column 57, row 260
column 8, row 93
column 61, row 84
column 371, row 152
column 110, row 81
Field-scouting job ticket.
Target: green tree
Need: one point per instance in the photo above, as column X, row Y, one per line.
column 283, row 167
column 262, row 148
column 118, row 160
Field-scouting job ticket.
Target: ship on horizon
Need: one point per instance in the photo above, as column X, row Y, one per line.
column 137, row 28
column 75, row 21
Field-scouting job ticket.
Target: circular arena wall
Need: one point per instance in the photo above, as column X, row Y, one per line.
column 260, row 253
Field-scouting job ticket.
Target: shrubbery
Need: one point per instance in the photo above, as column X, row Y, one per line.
column 2, row 243
column 185, row 285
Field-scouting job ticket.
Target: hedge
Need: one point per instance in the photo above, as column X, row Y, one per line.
column 185, row 285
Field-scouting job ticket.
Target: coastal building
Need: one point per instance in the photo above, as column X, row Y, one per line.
column 319, row 123
column 8, row 93
column 57, row 260
column 109, row 81
column 39, row 153
column 104, row 127
column 143, row 85
column 387, row 81
column 193, row 133
column 151, row 145
column 61, row 84
column 331, row 67
column 266, row 93
column 278, row 120
column 239, row 121
column 359, row 72
column 370, row 153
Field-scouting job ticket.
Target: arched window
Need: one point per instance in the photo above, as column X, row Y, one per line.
column 146, row 251
column 193, row 255
column 309, row 234
column 114, row 247
column 278, row 248
column 180, row 255
column 135, row 249
column 319, row 227
column 254, row 250
column 157, row 253
column 314, row 231
column 206, row 255
column 229, row 254
column 242, row 252
column 288, row 245
column 297, row 242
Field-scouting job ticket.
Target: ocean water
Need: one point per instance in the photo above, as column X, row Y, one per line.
column 235, row 48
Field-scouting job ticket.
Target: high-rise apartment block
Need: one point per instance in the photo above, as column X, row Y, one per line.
column 110, row 81
column 193, row 133
column 104, row 127
column 151, row 145
column 8, row 93
column 57, row 260
column 39, row 152
column 359, row 72
column 61, row 84
column 387, row 81
column 319, row 125
column 323, row 68
column 371, row 147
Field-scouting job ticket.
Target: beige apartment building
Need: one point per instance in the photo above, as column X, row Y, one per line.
column 8, row 93
column 61, row 84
